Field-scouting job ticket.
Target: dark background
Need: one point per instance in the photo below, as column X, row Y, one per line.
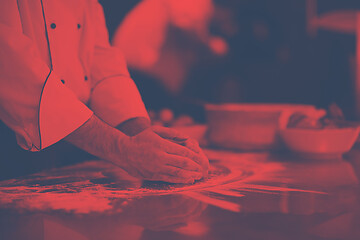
column 287, row 65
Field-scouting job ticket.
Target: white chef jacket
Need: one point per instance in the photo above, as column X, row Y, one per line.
column 57, row 68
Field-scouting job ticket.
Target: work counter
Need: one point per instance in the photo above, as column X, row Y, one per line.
column 249, row 195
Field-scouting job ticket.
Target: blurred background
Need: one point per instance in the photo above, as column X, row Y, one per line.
column 183, row 53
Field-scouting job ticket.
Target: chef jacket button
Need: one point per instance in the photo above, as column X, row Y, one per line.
column 86, row 78
column 63, row 81
column 53, row 25
column 79, row 26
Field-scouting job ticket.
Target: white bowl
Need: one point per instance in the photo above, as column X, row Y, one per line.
column 249, row 126
column 320, row 143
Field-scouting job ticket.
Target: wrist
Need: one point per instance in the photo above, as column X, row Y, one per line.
column 98, row 138
column 134, row 126
column 117, row 149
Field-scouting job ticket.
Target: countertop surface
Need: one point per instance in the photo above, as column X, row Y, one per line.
column 247, row 196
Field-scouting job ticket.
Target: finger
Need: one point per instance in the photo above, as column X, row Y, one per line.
column 205, row 161
column 189, row 176
column 171, row 179
column 183, row 163
column 176, row 149
column 183, row 174
column 176, row 175
column 169, row 133
column 117, row 174
column 194, row 146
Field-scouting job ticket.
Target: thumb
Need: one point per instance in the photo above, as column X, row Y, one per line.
column 169, row 133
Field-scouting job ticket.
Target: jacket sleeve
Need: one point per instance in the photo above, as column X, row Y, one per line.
column 33, row 101
column 115, row 97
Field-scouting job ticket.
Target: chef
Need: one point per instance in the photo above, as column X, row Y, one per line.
column 61, row 79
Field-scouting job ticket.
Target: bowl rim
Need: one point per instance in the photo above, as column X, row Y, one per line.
column 308, row 130
column 256, row 107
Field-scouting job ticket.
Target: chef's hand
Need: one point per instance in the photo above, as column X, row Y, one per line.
column 134, row 126
column 182, row 139
column 149, row 156
column 146, row 155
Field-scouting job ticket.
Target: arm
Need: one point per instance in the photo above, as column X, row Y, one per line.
column 146, row 155
column 114, row 96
